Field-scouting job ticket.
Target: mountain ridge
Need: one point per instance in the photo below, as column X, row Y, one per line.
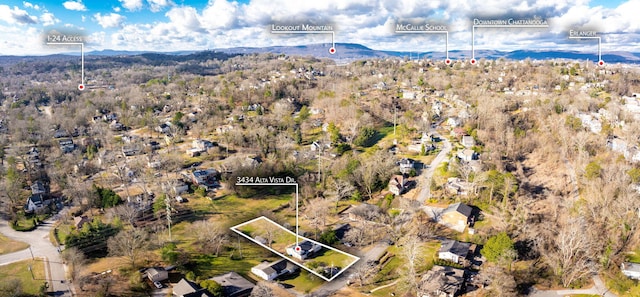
column 347, row 52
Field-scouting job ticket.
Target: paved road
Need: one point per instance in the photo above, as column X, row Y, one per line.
column 425, row 177
column 374, row 253
column 41, row 247
column 598, row 289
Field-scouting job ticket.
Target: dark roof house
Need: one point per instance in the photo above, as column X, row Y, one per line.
column 234, row 285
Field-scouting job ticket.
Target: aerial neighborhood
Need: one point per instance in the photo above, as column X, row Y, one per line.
column 396, row 177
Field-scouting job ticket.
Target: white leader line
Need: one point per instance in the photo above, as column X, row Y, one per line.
column 591, row 37
column 81, row 53
column 446, row 48
column 280, row 184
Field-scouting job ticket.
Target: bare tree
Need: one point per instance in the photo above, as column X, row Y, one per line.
column 129, row 243
column 211, row 235
column 413, row 257
column 572, row 252
column 77, row 260
column 262, row 289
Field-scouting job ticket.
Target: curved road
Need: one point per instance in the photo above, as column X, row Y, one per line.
column 598, row 289
column 41, row 247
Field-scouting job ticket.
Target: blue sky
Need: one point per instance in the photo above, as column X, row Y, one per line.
column 170, row 25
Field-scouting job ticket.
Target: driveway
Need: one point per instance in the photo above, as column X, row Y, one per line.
column 425, row 177
column 598, row 289
column 41, row 247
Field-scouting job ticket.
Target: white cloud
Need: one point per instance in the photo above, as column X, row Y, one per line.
column 131, row 5
column 30, row 5
column 158, row 5
column 220, row 14
column 184, row 19
column 74, row 5
column 83, row 18
column 16, row 15
column 48, row 19
column 111, row 20
column 228, row 23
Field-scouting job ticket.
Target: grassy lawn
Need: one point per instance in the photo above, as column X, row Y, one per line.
column 634, row 256
column 234, row 210
column 9, row 245
column 305, row 282
column 20, row 271
column 393, row 268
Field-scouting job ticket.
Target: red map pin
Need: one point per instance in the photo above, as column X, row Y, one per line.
column 473, row 61
column 81, row 87
column 332, row 50
column 601, row 63
column 297, row 248
column 447, row 61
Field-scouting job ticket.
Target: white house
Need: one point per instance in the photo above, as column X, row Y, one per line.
column 270, row 271
column 632, row 270
column 454, row 251
column 306, row 250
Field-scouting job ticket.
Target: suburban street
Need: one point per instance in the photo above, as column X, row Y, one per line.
column 41, row 247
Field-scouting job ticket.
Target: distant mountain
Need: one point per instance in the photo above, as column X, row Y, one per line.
column 345, row 52
column 349, row 52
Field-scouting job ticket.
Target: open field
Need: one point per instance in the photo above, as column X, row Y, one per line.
column 20, row 271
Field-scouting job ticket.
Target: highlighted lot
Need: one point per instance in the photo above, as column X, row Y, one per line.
column 322, row 260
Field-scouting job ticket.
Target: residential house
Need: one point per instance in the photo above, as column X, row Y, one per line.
column 205, row 178
column 272, row 270
column 116, row 126
column 157, row 274
column 164, row 128
column 454, row 251
column 632, row 270
column 468, row 141
column 234, row 285
column 224, row 129
column 398, row 184
column 408, row 95
column 406, row 165
column 36, row 202
column 456, row 216
column 442, row 281
column 305, row 249
column 456, row 186
column 38, row 187
column 78, row 222
column 203, row 144
column 179, row 187
column 185, row 288
column 453, row 122
column 467, row 155
column 129, row 151
column 66, row 145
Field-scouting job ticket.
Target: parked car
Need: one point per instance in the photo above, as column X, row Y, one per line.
column 158, row 285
